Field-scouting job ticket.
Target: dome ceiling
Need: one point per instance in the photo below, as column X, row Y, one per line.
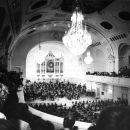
column 23, row 18
column 88, row 6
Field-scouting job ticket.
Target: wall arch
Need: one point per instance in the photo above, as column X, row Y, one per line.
column 21, row 49
column 21, row 52
column 124, row 55
column 99, row 61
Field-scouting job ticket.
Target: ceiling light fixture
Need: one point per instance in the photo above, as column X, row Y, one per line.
column 39, row 54
column 88, row 59
column 77, row 38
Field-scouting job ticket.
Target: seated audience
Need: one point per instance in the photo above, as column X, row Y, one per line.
column 123, row 72
column 13, row 109
column 84, row 111
column 113, row 118
column 68, row 122
column 125, row 124
column 37, row 123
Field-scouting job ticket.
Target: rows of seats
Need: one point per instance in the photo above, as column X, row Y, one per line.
column 12, row 112
column 104, row 114
column 85, row 111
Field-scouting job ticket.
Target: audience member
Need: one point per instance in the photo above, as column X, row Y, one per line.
column 37, row 123
column 69, row 121
column 113, row 118
column 123, row 72
column 83, row 110
column 13, row 109
column 125, row 124
column 7, row 125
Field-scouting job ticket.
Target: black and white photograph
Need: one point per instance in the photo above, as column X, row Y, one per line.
column 64, row 64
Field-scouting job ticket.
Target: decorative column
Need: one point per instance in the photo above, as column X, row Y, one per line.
column 111, row 62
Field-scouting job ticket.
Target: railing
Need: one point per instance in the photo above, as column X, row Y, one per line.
column 58, row 120
column 119, row 81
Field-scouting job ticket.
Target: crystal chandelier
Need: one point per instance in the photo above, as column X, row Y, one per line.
column 88, row 59
column 39, row 54
column 77, row 38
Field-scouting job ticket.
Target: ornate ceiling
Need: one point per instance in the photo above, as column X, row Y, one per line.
column 108, row 19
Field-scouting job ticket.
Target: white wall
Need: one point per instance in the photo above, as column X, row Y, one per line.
column 116, row 92
column 106, row 91
column 100, row 88
column 73, row 66
column 124, row 54
column 99, row 63
column 25, row 45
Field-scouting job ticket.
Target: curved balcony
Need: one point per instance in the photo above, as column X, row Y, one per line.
column 118, row 81
column 58, row 121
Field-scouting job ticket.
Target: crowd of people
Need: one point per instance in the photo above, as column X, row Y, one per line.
column 11, row 79
column 14, row 113
column 85, row 111
column 104, row 115
column 52, row 90
column 113, row 118
column 123, row 72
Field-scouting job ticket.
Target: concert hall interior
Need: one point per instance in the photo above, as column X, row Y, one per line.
column 62, row 59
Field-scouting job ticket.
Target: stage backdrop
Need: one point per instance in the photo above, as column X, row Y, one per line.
column 72, row 66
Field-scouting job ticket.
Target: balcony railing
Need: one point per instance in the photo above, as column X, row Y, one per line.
column 119, row 81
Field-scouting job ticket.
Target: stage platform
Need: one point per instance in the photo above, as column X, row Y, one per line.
column 62, row 101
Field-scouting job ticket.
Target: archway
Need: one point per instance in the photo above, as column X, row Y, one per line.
column 72, row 67
column 124, row 55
